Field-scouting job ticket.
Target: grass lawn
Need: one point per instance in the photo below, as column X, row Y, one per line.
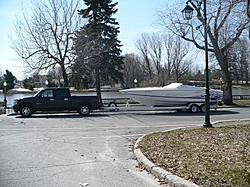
column 242, row 102
column 214, row 157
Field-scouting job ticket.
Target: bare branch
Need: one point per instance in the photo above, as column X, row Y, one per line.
column 43, row 38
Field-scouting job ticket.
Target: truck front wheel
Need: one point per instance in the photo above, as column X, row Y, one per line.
column 26, row 110
column 84, row 110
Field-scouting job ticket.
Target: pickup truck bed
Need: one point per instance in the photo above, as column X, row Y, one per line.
column 56, row 100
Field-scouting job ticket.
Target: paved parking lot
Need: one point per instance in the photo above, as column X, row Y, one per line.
column 70, row 150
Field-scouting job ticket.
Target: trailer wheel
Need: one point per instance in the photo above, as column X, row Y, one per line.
column 203, row 108
column 84, row 110
column 193, row 108
column 26, row 110
column 112, row 104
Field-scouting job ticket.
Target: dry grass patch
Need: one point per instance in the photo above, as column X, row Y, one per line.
column 242, row 102
column 207, row 156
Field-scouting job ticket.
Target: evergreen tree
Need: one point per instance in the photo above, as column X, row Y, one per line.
column 26, row 83
column 10, row 80
column 97, row 44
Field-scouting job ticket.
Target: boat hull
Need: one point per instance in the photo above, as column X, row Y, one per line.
column 170, row 97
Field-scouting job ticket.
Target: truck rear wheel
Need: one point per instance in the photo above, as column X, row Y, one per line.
column 26, row 110
column 84, row 110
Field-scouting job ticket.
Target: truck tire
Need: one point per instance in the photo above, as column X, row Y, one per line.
column 84, row 110
column 193, row 108
column 26, row 110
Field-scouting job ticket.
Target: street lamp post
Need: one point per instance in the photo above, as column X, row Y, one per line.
column 135, row 83
column 47, row 83
column 187, row 13
column 5, row 93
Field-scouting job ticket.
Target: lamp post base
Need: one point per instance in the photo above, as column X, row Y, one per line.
column 207, row 125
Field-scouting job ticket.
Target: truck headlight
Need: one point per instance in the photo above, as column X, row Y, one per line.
column 15, row 102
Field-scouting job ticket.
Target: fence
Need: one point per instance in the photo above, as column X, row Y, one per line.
column 241, row 97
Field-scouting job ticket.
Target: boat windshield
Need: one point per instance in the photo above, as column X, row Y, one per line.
column 173, row 85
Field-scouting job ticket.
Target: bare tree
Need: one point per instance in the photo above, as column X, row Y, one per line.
column 156, row 53
column 168, row 42
column 226, row 22
column 1, row 71
column 151, row 49
column 180, row 64
column 44, row 38
column 242, row 50
column 55, row 75
column 143, row 46
column 176, row 55
column 165, row 57
column 132, row 70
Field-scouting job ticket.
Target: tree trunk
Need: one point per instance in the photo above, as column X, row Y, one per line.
column 227, row 89
column 98, row 84
column 65, row 76
column 223, row 62
column 247, row 81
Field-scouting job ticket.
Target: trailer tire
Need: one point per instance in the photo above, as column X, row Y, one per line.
column 193, row 108
column 112, row 104
column 203, row 108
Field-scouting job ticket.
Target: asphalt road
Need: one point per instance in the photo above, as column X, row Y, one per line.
column 68, row 150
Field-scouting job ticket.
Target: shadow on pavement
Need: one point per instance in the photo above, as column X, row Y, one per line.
column 64, row 115
column 185, row 113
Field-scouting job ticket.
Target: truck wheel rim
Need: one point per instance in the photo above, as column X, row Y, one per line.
column 26, row 111
column 84, row 110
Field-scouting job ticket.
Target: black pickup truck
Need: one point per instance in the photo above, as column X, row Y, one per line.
column 56, row 100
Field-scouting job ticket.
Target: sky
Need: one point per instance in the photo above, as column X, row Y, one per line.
column 134, row 16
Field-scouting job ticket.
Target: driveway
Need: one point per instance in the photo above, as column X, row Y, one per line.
column 68, row 150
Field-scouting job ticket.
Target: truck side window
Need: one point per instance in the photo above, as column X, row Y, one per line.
column 47, row 93
column 62, row 93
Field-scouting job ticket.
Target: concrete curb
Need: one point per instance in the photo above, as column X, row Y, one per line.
column 159, row 172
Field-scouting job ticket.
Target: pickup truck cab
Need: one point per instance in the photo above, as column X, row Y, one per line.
column 56, row 100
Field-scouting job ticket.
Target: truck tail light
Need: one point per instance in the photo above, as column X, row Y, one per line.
column 99, row 99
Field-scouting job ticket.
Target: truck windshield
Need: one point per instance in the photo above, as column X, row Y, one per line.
column 38, row 93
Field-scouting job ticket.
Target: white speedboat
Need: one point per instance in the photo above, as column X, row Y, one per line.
column 175, row 94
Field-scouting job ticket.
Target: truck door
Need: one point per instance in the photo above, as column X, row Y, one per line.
column 45, row 101
column 62, row 99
